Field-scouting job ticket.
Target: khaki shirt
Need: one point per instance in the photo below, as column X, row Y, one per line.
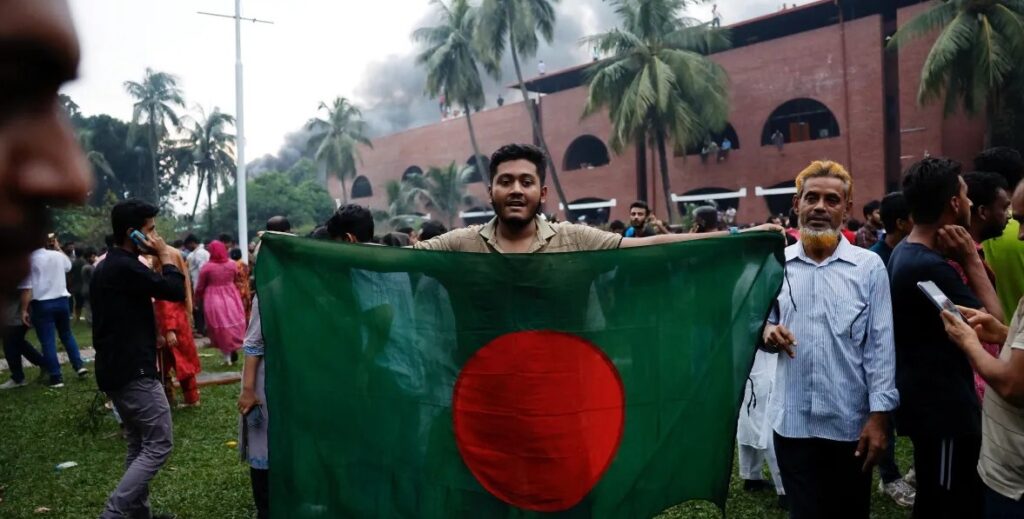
column 1001, row 463
column 557, row 237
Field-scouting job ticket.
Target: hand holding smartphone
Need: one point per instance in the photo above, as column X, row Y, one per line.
column 939, row 299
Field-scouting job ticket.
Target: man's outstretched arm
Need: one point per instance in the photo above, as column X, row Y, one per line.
column 673, row 238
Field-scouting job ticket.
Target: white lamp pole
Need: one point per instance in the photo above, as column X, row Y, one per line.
column 243, row 216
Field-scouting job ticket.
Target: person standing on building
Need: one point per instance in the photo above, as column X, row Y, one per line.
column 542, row 68
column 46, row 307
column 835, row 385
column 726, row 148
column 125, row 331
column 871, row 231
column 1002, row 444
column 939, row 407
column 716, row 17
column 778, row 140
column 1005, row 254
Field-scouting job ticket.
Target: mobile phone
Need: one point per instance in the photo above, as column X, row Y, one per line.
column 939, row 299
column 139, row 239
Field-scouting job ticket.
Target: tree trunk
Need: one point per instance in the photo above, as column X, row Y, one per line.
column 641, row 166
column 663, row 159
column 199, row 193
column 533, row 121
column 472, row 140
column 209, row 207
column 153, row 147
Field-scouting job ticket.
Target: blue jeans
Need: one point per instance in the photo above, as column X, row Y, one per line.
column 16, row 347
column 48, row 317
column 998, row 506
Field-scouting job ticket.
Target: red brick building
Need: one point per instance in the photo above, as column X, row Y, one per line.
column 818, row 74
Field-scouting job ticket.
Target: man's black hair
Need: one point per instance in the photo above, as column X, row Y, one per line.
column 88, row 251
column 617, row 226
column 130, row 214
column 320, row 233
column 405, row 230
column 431, row 229
column 235, row 254
column 279, row 224
column 641, row 204
column 351, row 219
column 1002, row 160
column 395, row 239
column 894, row 207
column 928, row 186
column 854, row 224
column 225, row 238
column 871, row 207
column 707, row 216
column 190, row 239
column 108, row 240
column 510, row 152
column 983, row 187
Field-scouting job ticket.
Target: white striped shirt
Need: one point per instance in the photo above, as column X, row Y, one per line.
column 841, row 314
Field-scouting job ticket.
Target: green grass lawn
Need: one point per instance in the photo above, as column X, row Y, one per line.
column 203, row 479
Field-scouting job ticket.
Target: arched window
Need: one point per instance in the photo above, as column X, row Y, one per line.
column 719, row 138
column 586, row 152
column 361, row 188
column 592, row 211
column 720, row 197
column 781, row 203
column 800, row 120
column 410, row 171
column 478, row 173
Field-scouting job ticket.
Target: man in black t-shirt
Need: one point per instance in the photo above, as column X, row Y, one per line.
column 939, row 409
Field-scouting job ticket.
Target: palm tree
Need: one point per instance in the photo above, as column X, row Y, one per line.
column 155, row 99
column 451, row 61
column 443, row 189
column 515, row 23
column 209, row 151
column 401, row 207
column 336, row 139
column 974, row 61
column 658, row 83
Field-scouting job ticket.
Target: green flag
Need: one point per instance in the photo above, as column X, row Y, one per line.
column 407, row 383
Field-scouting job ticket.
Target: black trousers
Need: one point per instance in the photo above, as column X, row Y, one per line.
column 948, row 484
column 823, row 478
column 261, row 491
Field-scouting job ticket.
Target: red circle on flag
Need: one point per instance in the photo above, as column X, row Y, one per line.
column 538, row 418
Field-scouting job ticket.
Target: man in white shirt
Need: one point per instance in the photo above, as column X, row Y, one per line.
column 46, row 307
column 197, row 257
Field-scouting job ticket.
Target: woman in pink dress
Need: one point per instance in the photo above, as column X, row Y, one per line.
column 222, row 305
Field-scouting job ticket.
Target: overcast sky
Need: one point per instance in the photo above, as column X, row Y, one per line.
column 316, row 50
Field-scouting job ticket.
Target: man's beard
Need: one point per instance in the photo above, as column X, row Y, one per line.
column 820, row 240
column 515, row 223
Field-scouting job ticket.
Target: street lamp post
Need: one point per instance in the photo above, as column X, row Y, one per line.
column 243, row 216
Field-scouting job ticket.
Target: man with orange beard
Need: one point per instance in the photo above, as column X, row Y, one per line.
column 835, row 387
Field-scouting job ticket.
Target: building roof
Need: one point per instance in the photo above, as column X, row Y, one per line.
column 780, row 24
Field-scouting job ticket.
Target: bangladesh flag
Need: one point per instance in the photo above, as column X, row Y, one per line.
column 407, row 383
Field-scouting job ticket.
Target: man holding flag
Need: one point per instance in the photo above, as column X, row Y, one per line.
column 517, row 190
column 598, row 384
column 836, row 384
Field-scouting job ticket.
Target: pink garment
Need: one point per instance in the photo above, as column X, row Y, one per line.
column 222, row 306
column 992, row 349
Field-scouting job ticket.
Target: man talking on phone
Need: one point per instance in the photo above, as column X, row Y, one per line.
column 835, row 380
column 124, row 336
